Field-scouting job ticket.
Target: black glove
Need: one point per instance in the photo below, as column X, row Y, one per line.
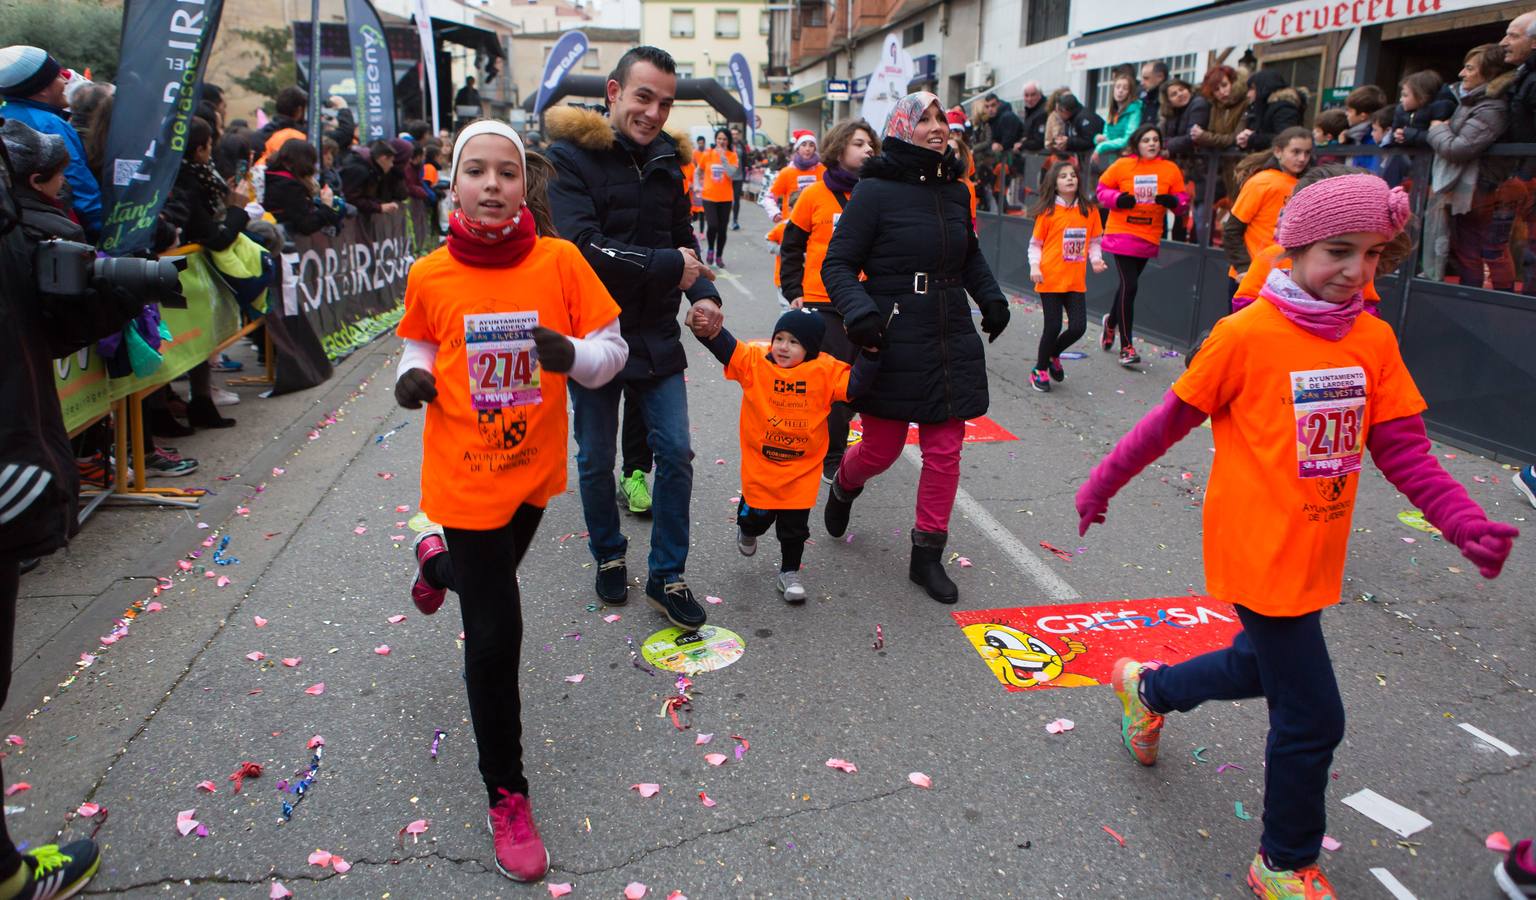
column 1167, row 200
column 415, row 387
column 1125, row 200
column 865, row 331
column 556, row 352
column 994, row 318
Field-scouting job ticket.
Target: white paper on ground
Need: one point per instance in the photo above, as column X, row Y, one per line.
column 1400, row 819
column 1489, row 739
column 1393, row 886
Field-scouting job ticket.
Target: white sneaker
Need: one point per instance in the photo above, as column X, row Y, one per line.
column 746, row 543
column 222, row 397
column 789, row 585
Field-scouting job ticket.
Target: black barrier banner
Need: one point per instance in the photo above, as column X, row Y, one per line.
column 342, row 291
column 373, row 71
column 159, row 82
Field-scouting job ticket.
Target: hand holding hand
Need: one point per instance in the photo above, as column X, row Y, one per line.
column 415, row 387
column 865, row 331
column 709, row 316
column 556, row 352
column 693, row 269
column 1486, row 544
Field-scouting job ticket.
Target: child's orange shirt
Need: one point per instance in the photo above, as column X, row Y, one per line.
column 478, row 465
column 1291, row 413
column 791, row 179
column 1143, row 179
column 776, row 236
column 712, row 165
column 1258, row 204
column 1065, row 235
column 783, row 424
column 816, row 213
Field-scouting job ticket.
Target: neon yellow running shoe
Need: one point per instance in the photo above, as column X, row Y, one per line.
column 636, row 494
column 1140, row 728
column 1306, row 883
column 56, row 872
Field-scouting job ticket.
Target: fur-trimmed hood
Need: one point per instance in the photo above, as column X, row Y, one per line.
column 591, row 130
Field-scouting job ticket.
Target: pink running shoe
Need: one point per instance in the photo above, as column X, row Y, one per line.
column 520, row 853
column 429, row 543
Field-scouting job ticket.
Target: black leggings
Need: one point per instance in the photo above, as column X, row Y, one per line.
column 483, row 572
column 10, row 586
column 717, row 221
column 793, row 527
column 736, row 202
column 1052, row 339
column 1121, row 314
column 633, row 438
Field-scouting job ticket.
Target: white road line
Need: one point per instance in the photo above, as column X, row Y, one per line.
column 1031, row 565
column 1489, row 739
column 1394, row 887
column 734, row 281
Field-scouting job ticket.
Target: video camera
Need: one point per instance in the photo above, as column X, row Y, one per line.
column 70, row 268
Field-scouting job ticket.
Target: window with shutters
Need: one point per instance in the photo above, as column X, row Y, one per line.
column 727, row 23
column 1046, row 19
column 682, row 23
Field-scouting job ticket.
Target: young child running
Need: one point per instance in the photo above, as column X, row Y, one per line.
column 1285, row 478
column 1067, row 237
column 787, row 393
column 495, row 321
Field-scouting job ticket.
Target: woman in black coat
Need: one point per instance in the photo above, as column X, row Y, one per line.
column 291, row 197
column 908, row 228
column 1274, row 106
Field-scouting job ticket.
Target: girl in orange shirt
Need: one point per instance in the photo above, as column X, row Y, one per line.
column 1139, row 190
column 1269, row 180
column 1281, row 497
column 716, row 167
column 804, row 169
column 1066, row 239
column 495, row 321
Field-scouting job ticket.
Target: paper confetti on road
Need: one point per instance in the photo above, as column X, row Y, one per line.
column 575, row 679
column 1060, row 725
column 260, row 622
column 1200, row 756
column 292, row 661
column 185, row 823
column 1225, row 766
column 646, row 789
column 279, row 892
column 15, row 740
column 208, row 786
column 715, row 759
column 361, row 529
column 612, row 617
column 559, row 888
column 315, row 689
column 382, row 649
column 396, row 620
column 153, row 606
column 702, row 738
column 17, row 788
column 634, row 891
column 713, row 601
column 1114, row 834
column 921, row 780
column 320, row 858
column 843, row 764
column 704, row 799
column 1331, row 843
column 1237, row 810
column 1498, row 842
column 1060, row 554
column 87, row 810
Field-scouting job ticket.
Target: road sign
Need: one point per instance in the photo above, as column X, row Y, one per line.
column 784, row 98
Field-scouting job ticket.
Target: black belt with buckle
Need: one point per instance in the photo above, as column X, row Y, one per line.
column 916, row 283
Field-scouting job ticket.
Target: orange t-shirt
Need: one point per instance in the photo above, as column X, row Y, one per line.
column 791, row 179
column 1291, row 413
column 429, row 175
column 816, row 213
column 277, row 139
column 1144, row 179
column 783, row 424
column 1265, row 261
column 490, row 448
column 712, row 165
column 1258, row 203
column 776, row 236
column 1065, row 235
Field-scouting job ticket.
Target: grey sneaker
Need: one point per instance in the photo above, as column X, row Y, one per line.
column 746, row 543
column 162, row 462
column 790, row 586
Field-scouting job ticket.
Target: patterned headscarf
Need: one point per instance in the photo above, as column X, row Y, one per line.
column 908, row 112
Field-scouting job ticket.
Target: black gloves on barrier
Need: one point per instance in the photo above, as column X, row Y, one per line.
column 415, row 387
column 556, row 352
column 994, row 318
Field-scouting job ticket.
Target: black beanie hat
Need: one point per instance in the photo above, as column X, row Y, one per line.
column 806, row 326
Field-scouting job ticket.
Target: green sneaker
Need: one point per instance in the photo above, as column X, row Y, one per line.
column 636, row 494
column 1140, row 728
column 55, row 872
column 1306, row 883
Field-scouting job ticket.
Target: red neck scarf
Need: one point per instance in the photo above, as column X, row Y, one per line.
column 491, row 245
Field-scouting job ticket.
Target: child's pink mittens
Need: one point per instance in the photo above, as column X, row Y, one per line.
column 1485, row 543
column 1092, row 504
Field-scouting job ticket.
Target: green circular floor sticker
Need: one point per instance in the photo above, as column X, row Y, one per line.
column 419, row 522
column 692, row 652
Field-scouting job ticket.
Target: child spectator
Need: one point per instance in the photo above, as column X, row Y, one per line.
column 783, row 434
column 291, row 196
column 1330, row 127
column 1361, row 104
column 1423, row 98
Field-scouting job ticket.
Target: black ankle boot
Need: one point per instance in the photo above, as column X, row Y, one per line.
column 202, row 413
column 839, row 507
column 162, row 424
column 927, row 568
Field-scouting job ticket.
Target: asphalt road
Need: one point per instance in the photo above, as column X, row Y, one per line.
column 1421, row 645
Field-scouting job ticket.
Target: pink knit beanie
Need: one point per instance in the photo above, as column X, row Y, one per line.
column 1341, row 205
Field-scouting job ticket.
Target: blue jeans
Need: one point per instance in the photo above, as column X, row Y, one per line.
column 1283, row 659
column 664, row 406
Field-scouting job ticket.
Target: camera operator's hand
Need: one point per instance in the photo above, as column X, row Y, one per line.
column 415, row 387
column 556, row 352
column 327, row 196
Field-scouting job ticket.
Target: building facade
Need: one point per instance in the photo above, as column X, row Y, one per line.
column 702, row 35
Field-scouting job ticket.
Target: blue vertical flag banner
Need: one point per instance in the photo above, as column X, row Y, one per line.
column 373, row 71
column 567, row 51
column 159, row 83
column 428, row 57
column 742, row 72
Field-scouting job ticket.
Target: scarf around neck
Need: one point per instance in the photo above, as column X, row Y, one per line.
column 839, row 180
column 804, row 165
column 491, row 245
column 1329, row 321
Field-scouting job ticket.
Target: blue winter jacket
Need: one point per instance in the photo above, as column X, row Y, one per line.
column 86, row 193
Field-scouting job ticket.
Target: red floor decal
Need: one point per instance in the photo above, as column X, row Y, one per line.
column 1076, row 644
column 977, row 431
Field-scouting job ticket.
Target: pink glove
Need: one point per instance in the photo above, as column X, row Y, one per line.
column 1158, row 430
column 1485, row 543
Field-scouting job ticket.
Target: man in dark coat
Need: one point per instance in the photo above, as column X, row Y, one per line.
column 1033, row 119
column 292, row 106
column 1518, row 44
column 996, row 134
column 618, row 195
column 1154, row 73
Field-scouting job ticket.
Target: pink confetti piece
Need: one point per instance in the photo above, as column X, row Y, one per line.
column 713, row 601
column 702, row 738
column 153, row 606
column 559, row 888
column 260, row 622
column 320, row 858
column 208, row 786
column 1114, row 834
column 921, row 780
column 86, row 659
column 715, row 759
column 612, row 617
column 397, row 537
column 202, row 525
column 382, row 649
column 1060, row 725
column 677, row 895
column 278, row 470
column 361, row 529
column 341, row 866
column 279, row 892
column 575, row 679
column 965, row 562
column 243, row 510
column 742, row 746
column 183, row 565
column 17, row 788
column 88, row 810
column 1331, row 843
column 396, row 620
column 316, row 741
column 185, row 823
column 704, row 799
column 634, row 891
column 843, row 764
column 386, row 475
column 15, row 740
column 646, row 789
column 1498, row 842
column 1225, row 766
column 292, row 662
column 417, row 827
column 315, row 689
column 255, row 656
column 404, row 507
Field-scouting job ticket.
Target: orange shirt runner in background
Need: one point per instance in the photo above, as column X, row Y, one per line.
column 714, row 172
column 783, row 424
column 490, row 448
column 1143, row 179
column 1291, row 413
column 790, row 179
column 776, row 236
column 1258, row 204
column 1065, row 235
column 816, row 213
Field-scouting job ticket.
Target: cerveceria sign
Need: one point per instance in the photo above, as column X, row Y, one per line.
column 1278, row 23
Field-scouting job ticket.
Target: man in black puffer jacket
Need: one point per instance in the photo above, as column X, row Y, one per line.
column 907, row 226
column 618, row 195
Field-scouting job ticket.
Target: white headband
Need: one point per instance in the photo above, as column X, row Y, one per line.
column 486, row 126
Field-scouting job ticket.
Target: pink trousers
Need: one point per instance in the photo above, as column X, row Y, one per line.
column 936, row 486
